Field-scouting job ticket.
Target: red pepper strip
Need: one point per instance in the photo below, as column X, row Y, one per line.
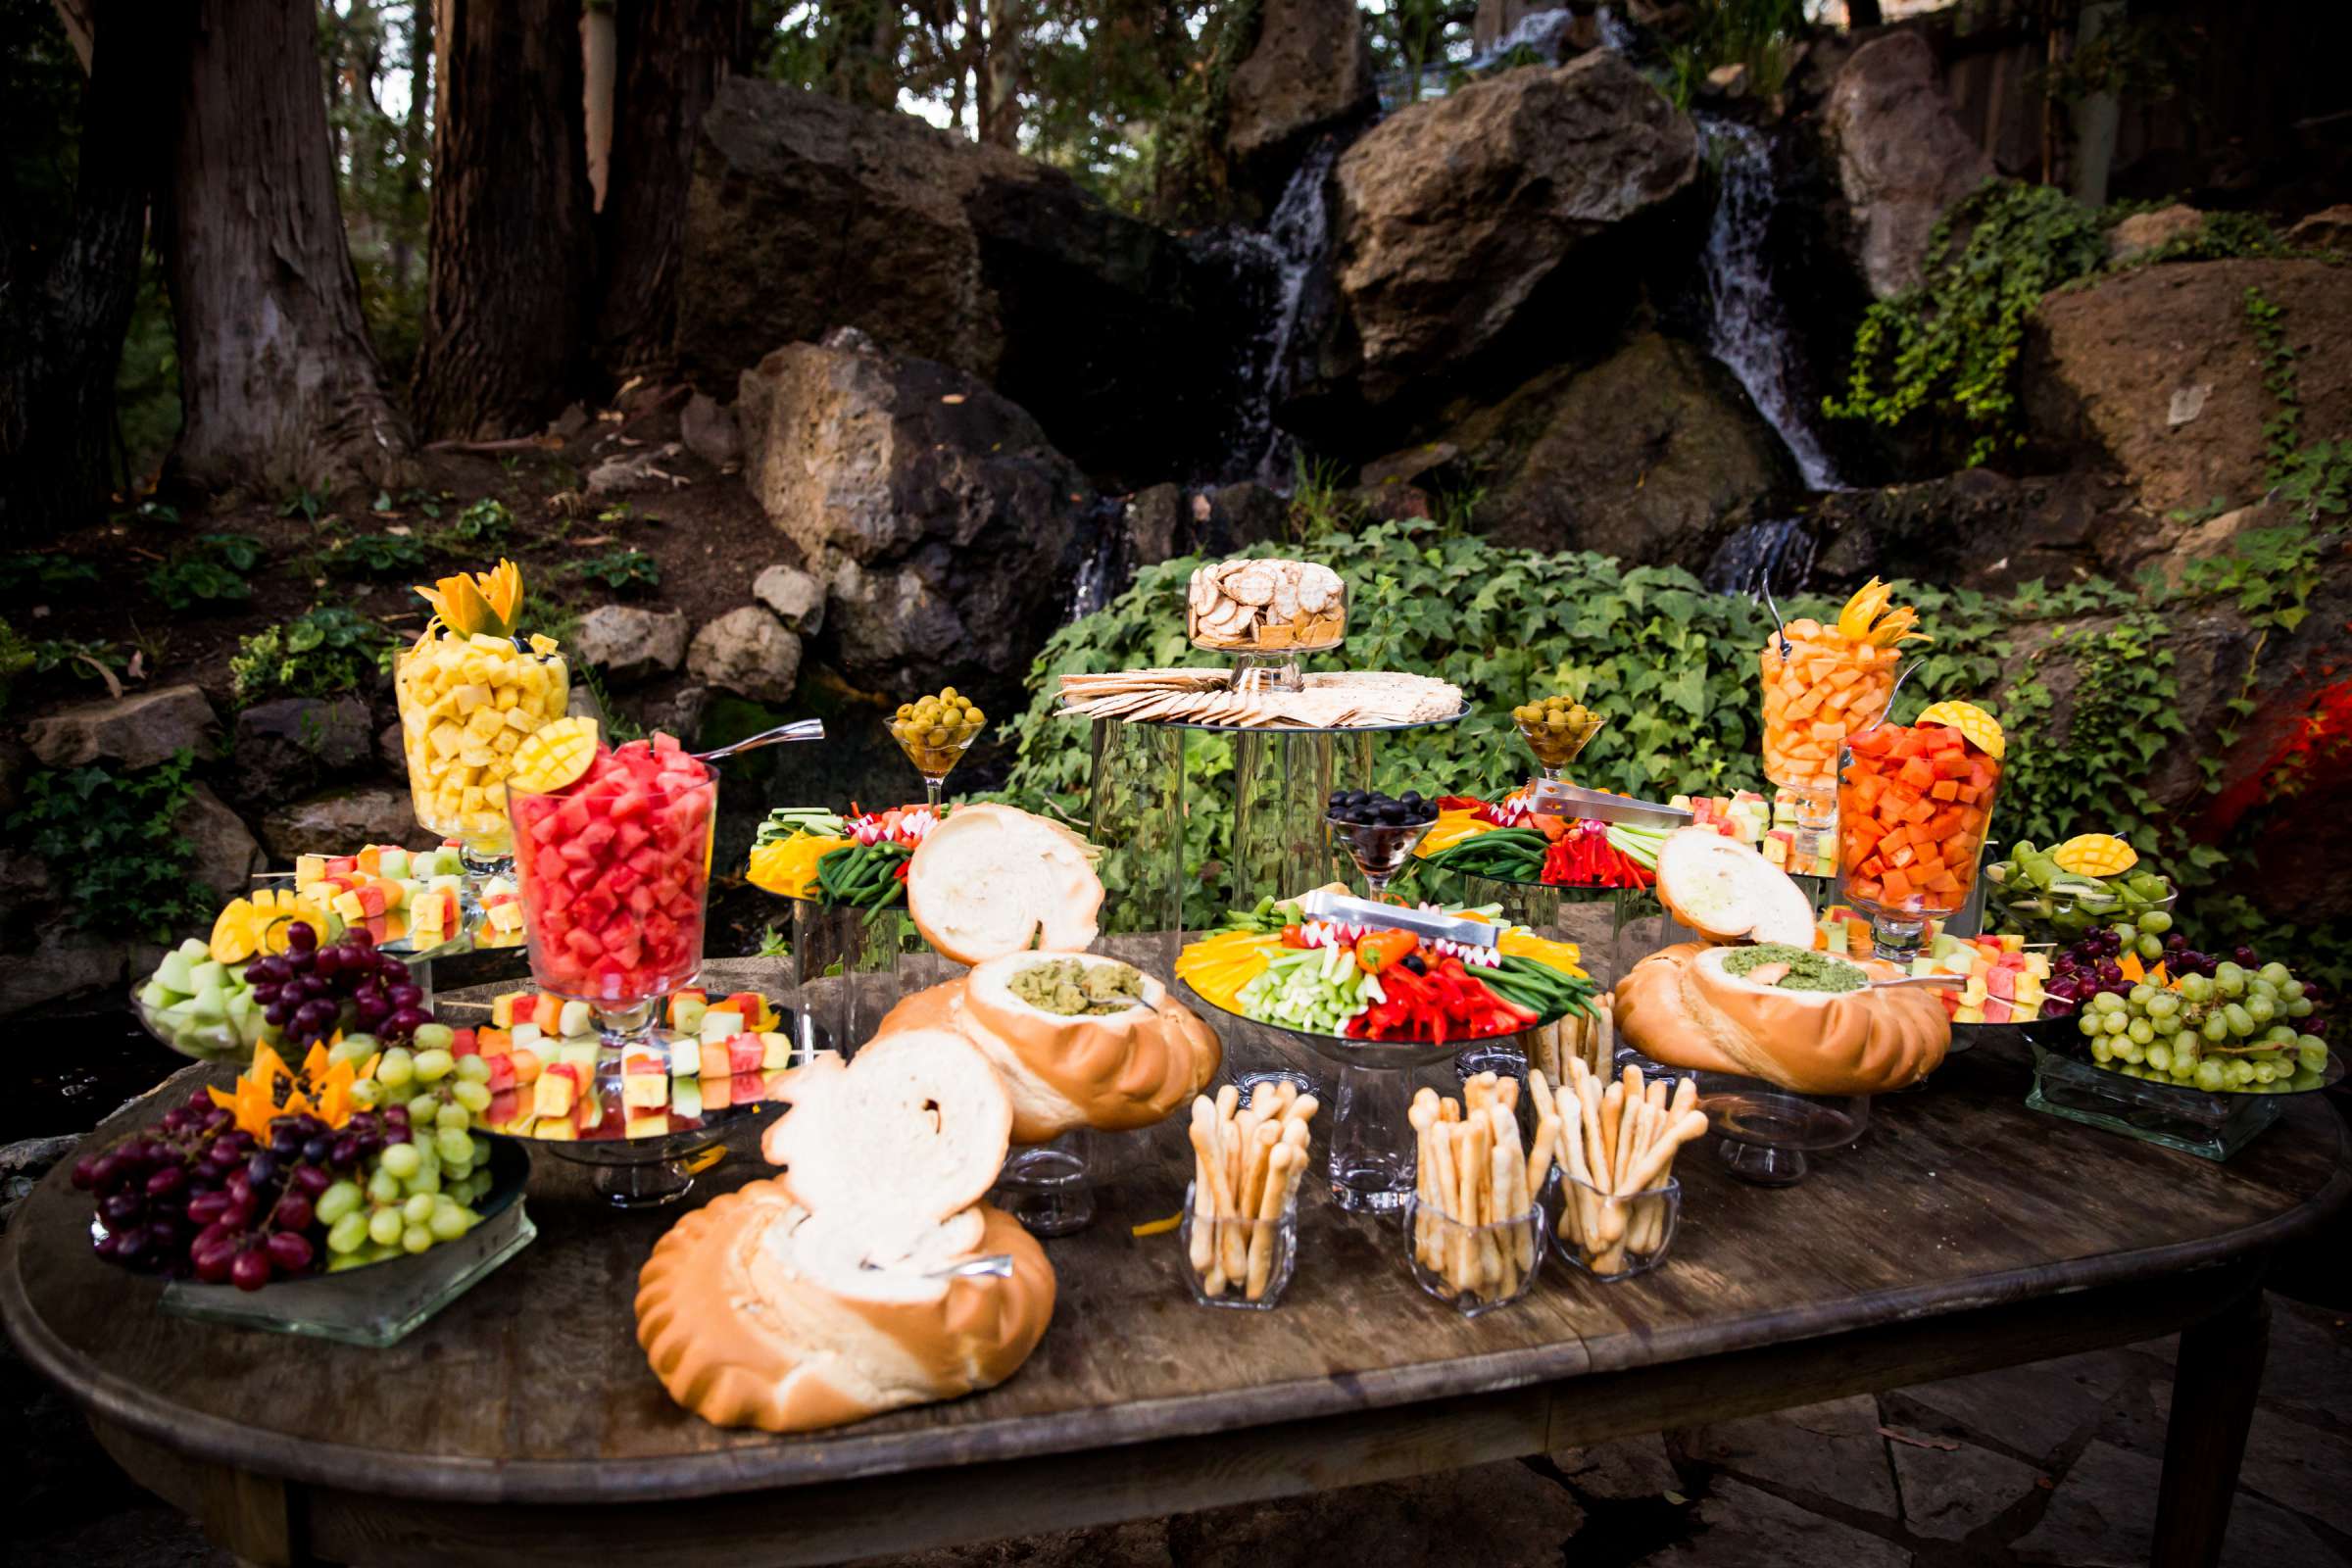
column 1460, row 802
column 1290, row 935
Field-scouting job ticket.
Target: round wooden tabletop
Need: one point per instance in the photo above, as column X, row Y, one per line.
column 532, row 1389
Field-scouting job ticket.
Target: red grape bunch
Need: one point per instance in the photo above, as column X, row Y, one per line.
column 310, row 991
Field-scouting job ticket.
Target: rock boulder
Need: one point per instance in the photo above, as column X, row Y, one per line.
column 797, row 597
column 224, row 852
column 1902, row 158
column 946, row 523
column 807, row 213
column 747, row 652
column 1309, row 71
column 137, row 731
column 293, row 745
column 2159, row 369
column 1454, row 212
column 1974, row 529
column 1644, row 456
column 331, row 823
column 630, row 643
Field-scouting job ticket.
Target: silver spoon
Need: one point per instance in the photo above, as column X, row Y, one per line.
column 1780, row 626
column 993, row 1266
column 1940, row 980
column 800, row 729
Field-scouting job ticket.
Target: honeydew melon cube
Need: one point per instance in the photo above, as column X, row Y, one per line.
column 173, row 974
column 155, row 994
column 1923, row 965
column 210, row 1005
column 722, row 1023
column 685, row 1056
column 528, row 1037
column 580, row 1053
column 686, row 1097
column 575, row 1018
column 208, row 975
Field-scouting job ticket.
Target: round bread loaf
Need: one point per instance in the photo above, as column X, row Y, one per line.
column 1727, row 892
column 750, row 1318
column 1683, row 1007
column 991, row 880
column 1113, row 1072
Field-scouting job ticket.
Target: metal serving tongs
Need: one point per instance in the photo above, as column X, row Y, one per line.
column 1558, row 798
column 800, row 729
column 992, row 1266
column 1945, row 981
column 1322, row 903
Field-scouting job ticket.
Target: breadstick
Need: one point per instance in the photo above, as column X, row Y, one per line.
column 1506, row 1252
column 1214, row 1276
column 1686, row 1098
column 1506, row 1093
column 1540, row 1092
column 1204, row 1195
column 1511, row 1198
column 1261, row 1097
column 1286, row 1095
column 1301, row 1108
column 1263, row 1139
column 1229, row 1100
column 1644, row 1173
column 1449, row 1110
column 1294, row 1133
column 1269, row 1218
column 1422, row 1116
column 1655, row 1094
column 1446, row 1190
column 1539, row 1155
column 1612, row 1118
column 1587, row 1089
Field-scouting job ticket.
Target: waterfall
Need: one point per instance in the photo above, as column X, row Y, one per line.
column 1275, row 264
column 1103, row 574
column 1616, row 32
column 1746, row 328
column 1539, row 31
column 1779, row 551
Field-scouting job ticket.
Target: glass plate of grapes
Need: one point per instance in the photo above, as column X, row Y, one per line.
column 355, row 1232
column 2143, row 1003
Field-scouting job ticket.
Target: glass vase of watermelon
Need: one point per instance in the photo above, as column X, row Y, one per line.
column 614, row 869
column 1914, row 802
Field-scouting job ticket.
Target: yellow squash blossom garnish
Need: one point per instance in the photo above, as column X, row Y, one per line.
column 476, row 603
column 1867, row 620
column 268, row 1090
column 787, row 866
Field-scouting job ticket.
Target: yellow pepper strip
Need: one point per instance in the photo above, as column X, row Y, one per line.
column 1219, row 966
column 1452, row 828
column 1521, row 943
column 1156, row 1227
column 787, row 867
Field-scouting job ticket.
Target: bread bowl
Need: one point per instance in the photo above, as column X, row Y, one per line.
column 1727, row 892
column 1114, row 1068
column 1690, row 1005
column 818, row 1295
column 991, row 880
column 747, row 1322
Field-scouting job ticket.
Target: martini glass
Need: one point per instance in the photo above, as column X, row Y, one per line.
column 1555, row 747
column 1380, row 849
column 934, row 752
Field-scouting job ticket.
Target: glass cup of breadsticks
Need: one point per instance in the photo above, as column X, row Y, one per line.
column 1241, row 1213
column 1612, row 1143
column 1476, row 1230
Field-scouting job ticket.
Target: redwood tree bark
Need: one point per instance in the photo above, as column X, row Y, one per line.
column 279, row 385
column 513, row 247
column 673, row 55
column 65, row 313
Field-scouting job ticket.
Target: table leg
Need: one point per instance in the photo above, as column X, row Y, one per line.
column 2219, row 1374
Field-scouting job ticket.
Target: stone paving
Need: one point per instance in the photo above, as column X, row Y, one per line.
column 2050, row 1464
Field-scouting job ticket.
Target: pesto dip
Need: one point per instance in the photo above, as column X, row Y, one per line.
column 1807, row 970
column 1073, row 989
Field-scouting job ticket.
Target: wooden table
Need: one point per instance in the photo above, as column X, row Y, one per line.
column 1964, row 1233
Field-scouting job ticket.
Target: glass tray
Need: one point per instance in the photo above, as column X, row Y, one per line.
column 2211, row 1126
column 384, row 1302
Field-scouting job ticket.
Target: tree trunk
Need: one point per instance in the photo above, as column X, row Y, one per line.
column 278, row 384
column 1000, row 85
column 673, row 55
column 65, row 320
column 513, row 247
column 416, row 133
